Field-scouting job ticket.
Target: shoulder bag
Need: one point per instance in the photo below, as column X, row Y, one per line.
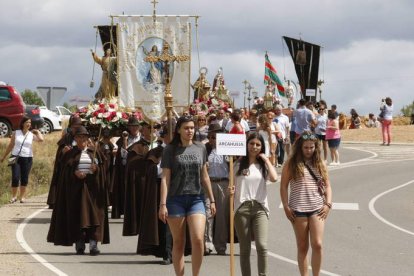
column 319, row 181
column 14, row 158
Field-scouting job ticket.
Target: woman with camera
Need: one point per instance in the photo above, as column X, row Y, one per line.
column 386, row 120
column 21, row 161
column 310, row 199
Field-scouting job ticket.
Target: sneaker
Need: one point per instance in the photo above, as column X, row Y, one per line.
column 94, row 251
column 207, row 252
column 13, row 200
column 333, row 164
column 80, row 252
column 166, row 261
column 23, row 200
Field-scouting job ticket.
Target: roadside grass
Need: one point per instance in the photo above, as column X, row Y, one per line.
column 42, row 169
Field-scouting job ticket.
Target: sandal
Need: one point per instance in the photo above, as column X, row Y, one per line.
column 13, row 200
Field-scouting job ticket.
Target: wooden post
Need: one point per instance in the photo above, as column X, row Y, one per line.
column 231, row 185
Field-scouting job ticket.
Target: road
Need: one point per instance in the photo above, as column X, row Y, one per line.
column 370, row 230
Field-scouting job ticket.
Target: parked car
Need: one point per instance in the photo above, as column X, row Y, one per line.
column 52, row 120
column 33, row 112
column 12, row 109
column 63, row 113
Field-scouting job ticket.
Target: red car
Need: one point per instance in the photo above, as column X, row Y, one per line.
column 12, row 110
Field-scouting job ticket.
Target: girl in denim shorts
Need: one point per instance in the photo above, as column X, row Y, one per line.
column 184, row 180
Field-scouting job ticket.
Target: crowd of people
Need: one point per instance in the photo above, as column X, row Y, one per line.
column 174, row 194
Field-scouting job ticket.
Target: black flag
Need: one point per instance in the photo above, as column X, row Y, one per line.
column 105, row 32
column 305, row 56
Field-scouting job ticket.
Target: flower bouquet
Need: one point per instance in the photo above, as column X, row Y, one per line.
column 106, row 114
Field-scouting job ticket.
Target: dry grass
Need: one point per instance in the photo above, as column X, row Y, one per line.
column 400, row 134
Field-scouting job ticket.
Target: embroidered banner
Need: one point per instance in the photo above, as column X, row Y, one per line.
column 141, row 83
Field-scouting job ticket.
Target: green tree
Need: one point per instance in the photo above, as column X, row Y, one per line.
column 408, row 110
column 31, row 97
column 73, row 108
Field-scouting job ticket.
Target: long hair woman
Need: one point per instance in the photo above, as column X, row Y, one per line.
column 21, row 146
column 250, row 202
column 306, row 207
column 183, row 184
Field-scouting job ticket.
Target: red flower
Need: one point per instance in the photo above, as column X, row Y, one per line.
column 111, row 105
column 101, row 105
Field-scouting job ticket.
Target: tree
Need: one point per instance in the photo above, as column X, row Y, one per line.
column 408, row 110
column 30, row 97
column 73, row 108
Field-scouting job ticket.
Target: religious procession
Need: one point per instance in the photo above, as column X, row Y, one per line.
column 154, row 149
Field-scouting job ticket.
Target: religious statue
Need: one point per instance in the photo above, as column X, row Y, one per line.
column 109, row 83
column 202, row 86
column 219, row 89
column 155, row 73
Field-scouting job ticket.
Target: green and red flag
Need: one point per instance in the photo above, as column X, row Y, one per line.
column 271, row 77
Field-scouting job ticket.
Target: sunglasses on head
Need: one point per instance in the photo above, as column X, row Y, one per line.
column 308, row 136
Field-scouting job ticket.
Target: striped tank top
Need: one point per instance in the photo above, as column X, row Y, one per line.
column 85, row 163
column 304, row 195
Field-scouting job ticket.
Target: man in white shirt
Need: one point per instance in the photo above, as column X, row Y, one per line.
column 283, row 121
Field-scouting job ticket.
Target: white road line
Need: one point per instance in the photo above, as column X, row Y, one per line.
column 276, row 256
column 340, row 206
column 378, row 216
column 25, row 245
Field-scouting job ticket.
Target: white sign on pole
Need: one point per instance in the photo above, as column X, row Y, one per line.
column 231, row 144
column 310, row 92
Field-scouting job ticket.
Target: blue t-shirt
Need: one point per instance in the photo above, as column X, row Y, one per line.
column 303, row 118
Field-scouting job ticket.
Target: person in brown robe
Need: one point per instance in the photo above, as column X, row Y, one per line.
column 64, row 144
column 134, row 180
column 117, row 192
column 154, row 237
column 80, row 213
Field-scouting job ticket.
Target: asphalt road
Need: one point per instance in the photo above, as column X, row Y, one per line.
column 370, row 231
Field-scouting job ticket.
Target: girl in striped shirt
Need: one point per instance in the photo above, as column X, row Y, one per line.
column 304, row 206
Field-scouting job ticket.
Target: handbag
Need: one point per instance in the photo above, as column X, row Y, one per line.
column 14, row 158
column 319, row 181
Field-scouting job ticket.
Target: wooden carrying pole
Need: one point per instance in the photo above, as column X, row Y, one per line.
column 231, row 185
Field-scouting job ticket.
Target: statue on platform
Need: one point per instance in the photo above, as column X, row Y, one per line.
column 109, row 83
column 219, row 89
column 202, row 86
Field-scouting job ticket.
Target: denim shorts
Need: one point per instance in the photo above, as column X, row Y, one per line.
column 185, row 205
column 320, row 137
column 334, row 143
column 305, row 214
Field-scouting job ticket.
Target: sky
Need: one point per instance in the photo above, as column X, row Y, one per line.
column 367, row 55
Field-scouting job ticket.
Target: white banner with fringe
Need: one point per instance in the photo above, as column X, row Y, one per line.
column 141, row 83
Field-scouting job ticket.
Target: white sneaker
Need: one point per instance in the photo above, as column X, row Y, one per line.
column 333, row 164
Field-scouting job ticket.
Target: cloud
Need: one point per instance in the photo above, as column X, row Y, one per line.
column 367, row 54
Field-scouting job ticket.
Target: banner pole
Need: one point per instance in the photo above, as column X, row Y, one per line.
column 231, row 185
